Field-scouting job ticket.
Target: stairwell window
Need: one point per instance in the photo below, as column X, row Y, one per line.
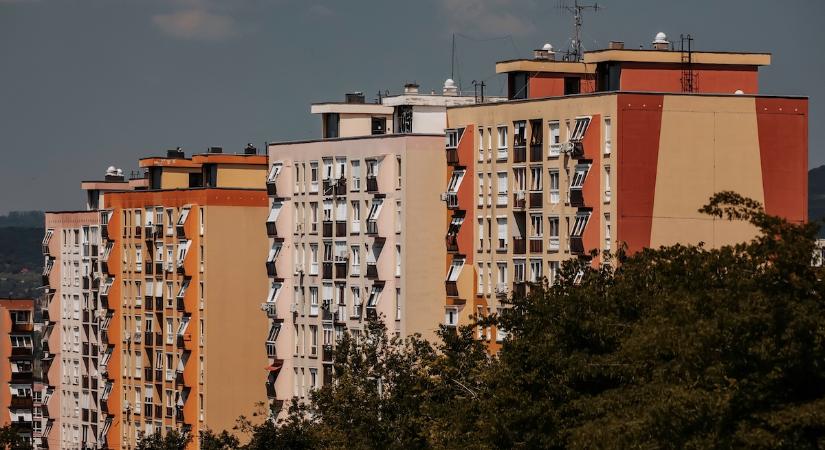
column 451, row 317
column 608, row 130
column 607, row 230
column 501, row 224
column 398, row 260
column 554, row 149
column 481, row 144
column 501, row 154
column 313, row 176
column 554, row 186
column 355, row 170
column 313, row 300
column 608, row 194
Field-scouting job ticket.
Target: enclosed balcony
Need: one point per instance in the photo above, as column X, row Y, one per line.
column 576, row 245
column 452, row 243
column 536, row 244
column 372, row 184
column 326, row 228
column 519, row 154
column 536, row 199
column 576, row 197
column 519, row 200
column 326, row 270
column 341, row 269
column 340, row 228
column 372, row 271
column 519, row 246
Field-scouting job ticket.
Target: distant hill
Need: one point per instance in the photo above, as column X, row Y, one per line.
column 816, row 195
column 21, row 262
column 33, row 219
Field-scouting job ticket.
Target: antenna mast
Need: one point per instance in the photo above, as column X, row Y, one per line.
column 575, row 53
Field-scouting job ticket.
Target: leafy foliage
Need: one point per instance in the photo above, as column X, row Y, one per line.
column 11, row 440
column 171, row 440
column 676, row 347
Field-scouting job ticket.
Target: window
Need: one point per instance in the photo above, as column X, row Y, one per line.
column 313, row 261
column 501, row 223
column 355, row 172
column 501, row 200
column 398, row 260
column 356, row 217
column 169, row 331
column 535, row 178
column 502, row 143
column 554, row 186
column 138, row 366
column 519, row 133
column 519, row 180
column 579, row 176
column 452, row 138
column 553, row 273
column 481, row 189
column 518, row 271
column 398, row 167
column 398, row 222
column 607, row 231
column 356, row 301
column 553, row 225
column 455, row 269
column 580, row 128
column 481, row 144
column 501, row 278
column 607, row 191
column 313, row 340
column 313, row 217
column 536, row 226
column 608, row 129
column 355, row 262
column 375, row 297
column 313, row 300
column 500, row 334
column 581, row 222
column 535, row 270
column 451, row 317
column 480, row 234
column 555, row 139
column 313, row 176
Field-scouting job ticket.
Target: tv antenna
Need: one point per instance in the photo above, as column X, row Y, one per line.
column 575, row 53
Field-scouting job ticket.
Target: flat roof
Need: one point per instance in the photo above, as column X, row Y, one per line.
column 675, row 56
column 350, row 108
column 543, row 65
column 357, row 138
column 197, row 160
column 599, row 94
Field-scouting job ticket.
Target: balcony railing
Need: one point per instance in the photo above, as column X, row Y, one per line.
column 326, row 228
column 452, row 243
column 536, row 245
column 576, row 245
column 372, row 227
column 271, row 271
column 326, row 270
column 452, row 156
column 451, row 288
column 536, row 153
column 519, row 200
column 271, row 229
column 452, row 200
column 519, row 154
column 372, row 184
column 271, row 189
column 372, row 271
column 340, row 228
column 341, row 270
column 327, row 354
column 576, row 197
column 536, row 199
column 519, row 246
column 23, row 327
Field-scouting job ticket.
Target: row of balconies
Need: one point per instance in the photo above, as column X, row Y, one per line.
column 340, row 228
column 536, row 245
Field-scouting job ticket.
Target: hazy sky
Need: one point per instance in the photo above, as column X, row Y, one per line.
column 85, row 84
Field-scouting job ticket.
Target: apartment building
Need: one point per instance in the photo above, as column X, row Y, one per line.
column 181, row 286
column 620, row 149
column 16, row 365
column 68, row 416
column 354, row 227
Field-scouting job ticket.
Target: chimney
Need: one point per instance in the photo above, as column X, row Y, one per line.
column 354, row 97
column 411, row 88
column 545, row 53
column 660, row 42
column 616, row 45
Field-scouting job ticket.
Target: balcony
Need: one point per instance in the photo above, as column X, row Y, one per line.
column 451, row 288
column 536, row 200
column 21, row 351
column 104, row 231
column 23, row 327
column 372, row 271
column 519, row 289
column 179, row 304
column 452, row 156
column 519, row 200
column 452, row 243
column 326, row 229
column 536, row 245
column 372, row 184
column 576, row 245
column 20, row 402
column 87, row 283
column 340, row 228
column 341, row 269
column 326, row 270
column 326, row 354
column 519, row 246
column 328, row 187
column 270, row 390
column 271, row 271
column 271, row 189
column 452, row 200
column 269, row 309
column 158, row 269
column 536, row 153
column 576, row 197
column 372, row 227
column 271, row 230
column 22, row 376
column 519, row 155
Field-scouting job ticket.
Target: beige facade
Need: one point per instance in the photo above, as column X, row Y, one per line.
column 355, row 229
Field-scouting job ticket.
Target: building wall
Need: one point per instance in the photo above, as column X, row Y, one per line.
column 244, row 176
column 13, row 408
column 235, row 328
column 429, row 119
column 708, row 78
column 353, row 124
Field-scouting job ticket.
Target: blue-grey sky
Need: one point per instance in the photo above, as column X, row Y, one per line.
column 85, row 84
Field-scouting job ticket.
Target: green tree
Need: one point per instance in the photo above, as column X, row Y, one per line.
column 171, row 440
column 222, row 441
column 11, row 440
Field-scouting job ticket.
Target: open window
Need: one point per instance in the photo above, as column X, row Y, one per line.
column 375, row 297
column 579, row 176
column 183, row 287
column 452, row 137
column 274, row 251
column 455, row 180
column 184, row 324
column 184, row 214
column 455, row 269
column 455, row 225
column 46, row 239
column 580, row 128
column 519, row 133
column 274, row 331
column 274, row 212
column 183, row 249
column 580, row 224
column 274, row 292
column 375, row 210
column 274, row 171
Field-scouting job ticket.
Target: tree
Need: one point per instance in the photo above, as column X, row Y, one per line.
column 223, row 441
column 679, row 347
column 171, row 440
column 682, row 346
column 10, row 439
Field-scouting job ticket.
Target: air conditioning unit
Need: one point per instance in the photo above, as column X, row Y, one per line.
column 444, row 196
column 520, row 195
column 293, row 308
column 501, row 288
column 126, row 405
column 127, row 336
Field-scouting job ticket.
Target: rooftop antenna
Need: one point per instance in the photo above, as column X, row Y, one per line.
column 575, row 53
column 452, row 60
